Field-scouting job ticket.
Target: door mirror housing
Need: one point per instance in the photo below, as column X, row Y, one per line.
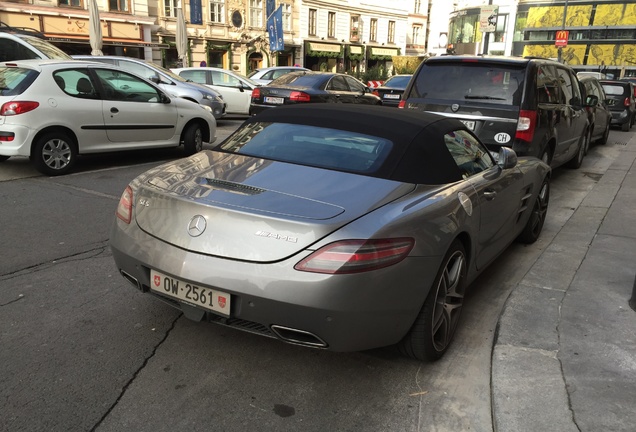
column 591, row 101
column 507, row 158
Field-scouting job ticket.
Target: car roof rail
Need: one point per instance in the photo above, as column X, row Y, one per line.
column 5, row 28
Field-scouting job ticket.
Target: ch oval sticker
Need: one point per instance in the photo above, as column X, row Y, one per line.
column 502, row 138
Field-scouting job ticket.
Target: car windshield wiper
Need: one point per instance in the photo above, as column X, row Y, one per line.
column 483, row 97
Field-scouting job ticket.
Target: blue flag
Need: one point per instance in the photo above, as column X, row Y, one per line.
column 275, row 30
column 196, row 14
column 270, row 5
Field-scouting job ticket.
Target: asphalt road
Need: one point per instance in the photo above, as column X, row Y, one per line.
column 82, row 350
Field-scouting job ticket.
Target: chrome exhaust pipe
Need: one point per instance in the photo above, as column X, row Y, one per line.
column 299, row 337
column 130, row 278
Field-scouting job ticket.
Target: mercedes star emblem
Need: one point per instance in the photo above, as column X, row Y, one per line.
column 197, row 225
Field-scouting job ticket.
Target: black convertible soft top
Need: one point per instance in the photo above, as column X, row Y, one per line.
column 419, row 153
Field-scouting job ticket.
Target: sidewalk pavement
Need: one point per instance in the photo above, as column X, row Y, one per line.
column 564, row 357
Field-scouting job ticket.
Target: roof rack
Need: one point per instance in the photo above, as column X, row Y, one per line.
column 5, row 28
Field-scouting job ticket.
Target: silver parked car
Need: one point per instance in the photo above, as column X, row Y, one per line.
column 170, row 82
column 333, row 226
column 266, row 75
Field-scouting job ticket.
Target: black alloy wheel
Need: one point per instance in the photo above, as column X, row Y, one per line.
column 533, row 227
column 435, row 325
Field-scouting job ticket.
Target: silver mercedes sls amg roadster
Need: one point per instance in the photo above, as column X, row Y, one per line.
column 341, row 227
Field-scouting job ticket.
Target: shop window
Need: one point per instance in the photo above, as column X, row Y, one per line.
column 500, row 29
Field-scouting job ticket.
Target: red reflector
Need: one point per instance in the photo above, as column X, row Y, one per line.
column 7, row 137
column 256, row 93
column 18, row 107
column 297, row 96
column 626, row 102
column 355, row 256
column 375, row 92
column 526, row 125
column 124, row 208
column 402, row 104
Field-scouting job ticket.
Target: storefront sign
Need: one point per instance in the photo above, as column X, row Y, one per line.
column 324, row 47
column 488, row 18
column 384, row 51
column 355, row 50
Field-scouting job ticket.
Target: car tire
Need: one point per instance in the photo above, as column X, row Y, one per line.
column 54, row 153
column 577, row 160
column 605, row 137
column 539, row 211
column 193, row 138
column 4, row 158
column 434, row 328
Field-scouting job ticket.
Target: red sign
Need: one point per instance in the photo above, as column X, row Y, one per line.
column 561, row 38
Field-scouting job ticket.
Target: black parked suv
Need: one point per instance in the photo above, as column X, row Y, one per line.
column 532, row 105
column 620, row 98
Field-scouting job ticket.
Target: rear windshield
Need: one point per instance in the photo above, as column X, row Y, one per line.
column 310, row 145
column 469, row 81
column 14, row 81
column 46, row 48
column 398, row 81
column 614, row 90
column 299, row 80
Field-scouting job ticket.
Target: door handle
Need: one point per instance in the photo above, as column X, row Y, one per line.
column 114, row 110
column 490, row 195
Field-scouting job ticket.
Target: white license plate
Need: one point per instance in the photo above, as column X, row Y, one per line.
column 391, row 96
column 470, row 124
column 274, row 100
column 206, row 298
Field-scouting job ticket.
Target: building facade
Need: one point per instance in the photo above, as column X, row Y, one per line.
column 602, row 33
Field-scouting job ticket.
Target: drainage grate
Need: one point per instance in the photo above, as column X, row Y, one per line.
column 620, row 143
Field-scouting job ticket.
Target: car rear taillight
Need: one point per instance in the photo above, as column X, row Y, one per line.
column 18, row 107
column 256, row 93
column 297, row 96
column 355, row 256
column 7, row 136
column 626, row 102
column 526, row 125
column 124, row 208
column 402, row 104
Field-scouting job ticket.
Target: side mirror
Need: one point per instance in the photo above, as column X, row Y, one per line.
column 155, row 79
column 591, row 101
column 507, row 158
column 164, row 98
column 575, row 101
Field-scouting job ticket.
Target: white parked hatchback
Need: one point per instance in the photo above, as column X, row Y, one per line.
column 54, row 110
column 236, row 89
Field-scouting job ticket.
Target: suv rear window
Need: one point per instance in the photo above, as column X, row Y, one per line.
column 14, row 81
column 469, row 82
column 614, row 90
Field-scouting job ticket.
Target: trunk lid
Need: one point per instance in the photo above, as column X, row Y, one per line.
column 253, row 209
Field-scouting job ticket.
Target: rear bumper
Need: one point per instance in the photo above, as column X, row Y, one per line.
column 20, row 144
column 340, row 313
column 621, row 117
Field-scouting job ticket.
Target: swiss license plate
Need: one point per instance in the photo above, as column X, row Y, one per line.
column 274, row 100
column 206, row 298
column 391, row 96
column 470, row 124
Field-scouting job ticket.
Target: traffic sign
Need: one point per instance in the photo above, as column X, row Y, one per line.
column 561, row 39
